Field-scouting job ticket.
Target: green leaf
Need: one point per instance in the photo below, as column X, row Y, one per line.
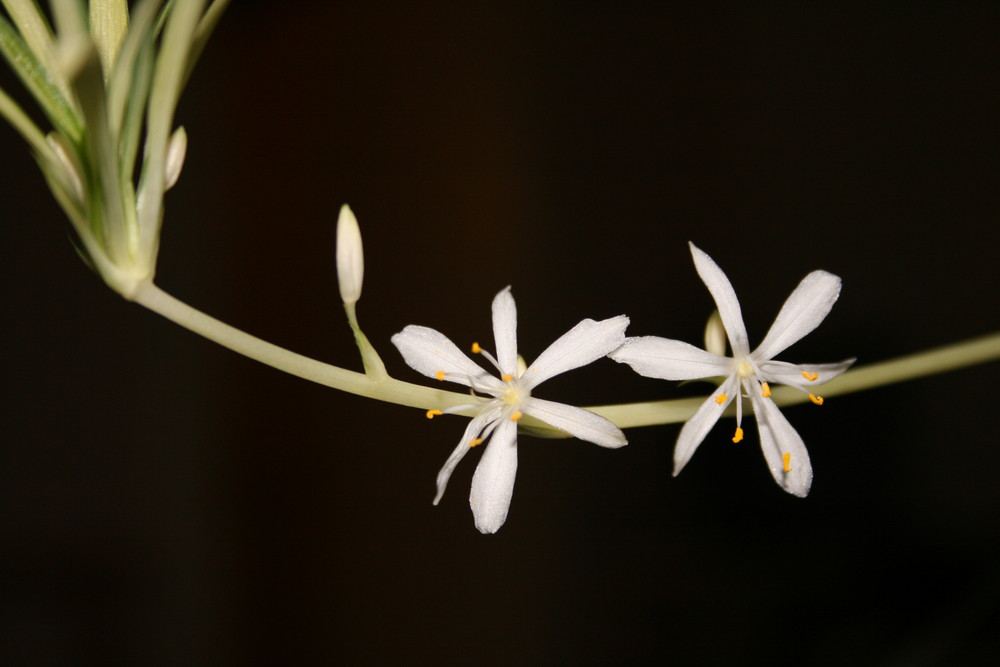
column 130, row 127
column 70, row 19
column 19, row 120
column 168, row 80
column 39, row 82
column 129, row 83
column 108, row 26
column 107, row 214
column 34, row 28
column 204, row 31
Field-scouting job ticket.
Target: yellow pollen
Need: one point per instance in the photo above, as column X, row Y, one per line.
column 475, row 441
column 739, row 435
column 812, row 377
column 818, row 400
column 431, row 414
column 476, row 349
column 721, row 398
column 765, row 389
column 517, row 415
column 506, row 378
column 439, row 375
column 745, row 369
column 787, row 459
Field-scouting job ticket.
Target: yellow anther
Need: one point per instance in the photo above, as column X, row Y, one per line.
column 765, row 390
column 818, row 400
column 506, row 378
column 440, row 375
column 517, row 415
column 721, row 398
column 812, row 377
column 431, row 414
column 787, row 459
column 475, row 441
column 739, row 435
column 476, row 349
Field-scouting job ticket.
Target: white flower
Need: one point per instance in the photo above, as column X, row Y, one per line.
column 746, row 371
column 431, row 353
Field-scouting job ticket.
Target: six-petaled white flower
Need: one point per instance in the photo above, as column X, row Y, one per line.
column 746, row 371
column 433, row 354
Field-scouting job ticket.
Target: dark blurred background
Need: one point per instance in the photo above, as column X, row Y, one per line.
column 165, row 501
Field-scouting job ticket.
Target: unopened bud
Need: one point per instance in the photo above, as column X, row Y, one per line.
column 350, row 256
column 176, row 151
column 715, row 335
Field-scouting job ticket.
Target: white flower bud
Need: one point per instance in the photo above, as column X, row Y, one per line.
column 350, row 256
column 715, row 335
column 176, row 152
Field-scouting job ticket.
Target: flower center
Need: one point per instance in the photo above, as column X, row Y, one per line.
column 745, row 369
column 515, row 394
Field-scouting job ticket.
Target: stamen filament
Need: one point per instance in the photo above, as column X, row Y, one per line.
column 477, row 349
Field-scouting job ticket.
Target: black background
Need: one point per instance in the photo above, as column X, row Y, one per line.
column 163, row 500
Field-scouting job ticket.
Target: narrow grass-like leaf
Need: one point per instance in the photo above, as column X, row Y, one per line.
column 135, row 109
column 122, row 83
column 34, row 27
column 39, row 83
column 166, row 89
column 204, row 31
column 70, row 18
column 13, row 114
column 161, row 20
column 108, row 26
column 106, row 212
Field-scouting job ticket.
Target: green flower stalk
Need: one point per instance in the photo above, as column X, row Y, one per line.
column 107, row 82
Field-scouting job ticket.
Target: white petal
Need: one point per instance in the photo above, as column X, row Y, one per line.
column 804, row 309
column 725, row 300
column 777, row 438
column 474, row 428
column 696, row 428
column 587, row 342
column 493, row 482
column 429, row 352
column 785, row 373
column 577, row 422
column 666, row 359
column 505, row 330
